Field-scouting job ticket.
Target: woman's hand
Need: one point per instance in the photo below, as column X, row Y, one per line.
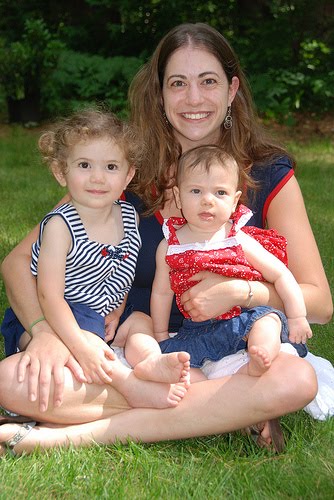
column 46, row 356
column 213, row 295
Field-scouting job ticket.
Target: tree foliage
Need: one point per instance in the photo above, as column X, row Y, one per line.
column 26, row 62
column 286, row 47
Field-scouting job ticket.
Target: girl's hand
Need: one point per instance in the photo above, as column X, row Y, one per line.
column 213, row 295
column 95, row 359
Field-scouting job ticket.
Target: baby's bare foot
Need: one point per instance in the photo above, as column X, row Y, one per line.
column 169, row 368
column 259, row 362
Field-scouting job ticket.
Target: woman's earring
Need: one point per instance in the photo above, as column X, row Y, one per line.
column 165, row 118
column 228, row 122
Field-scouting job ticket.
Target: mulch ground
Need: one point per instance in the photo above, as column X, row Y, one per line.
column 304, row 127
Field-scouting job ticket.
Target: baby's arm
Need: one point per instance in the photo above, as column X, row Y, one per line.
column 50, row 285
column 274, row 271
column 162, row 295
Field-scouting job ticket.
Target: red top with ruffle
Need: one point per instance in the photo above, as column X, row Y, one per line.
column 225, row 257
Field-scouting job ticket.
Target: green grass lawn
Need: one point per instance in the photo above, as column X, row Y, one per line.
column 228, row 466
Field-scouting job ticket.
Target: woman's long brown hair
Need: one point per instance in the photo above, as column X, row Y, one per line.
column 247, row 140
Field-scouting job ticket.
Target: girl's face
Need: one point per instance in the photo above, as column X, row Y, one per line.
column 207, row 198
column 196, row 94
column 97, row 173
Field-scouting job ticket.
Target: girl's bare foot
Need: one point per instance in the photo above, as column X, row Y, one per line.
column 259, row 361
column 170, row 368
column 141, row 393
column 146, row 394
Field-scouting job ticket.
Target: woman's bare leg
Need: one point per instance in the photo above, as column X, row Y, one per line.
column 81, row 403
column 93, row 400
column 211, row 407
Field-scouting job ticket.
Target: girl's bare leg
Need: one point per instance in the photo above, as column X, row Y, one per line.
column 137, row 393
column 142, row 351
column 211, row 407
column 145, row 393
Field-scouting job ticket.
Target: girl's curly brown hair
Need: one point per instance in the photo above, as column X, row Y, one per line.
column 88, row 124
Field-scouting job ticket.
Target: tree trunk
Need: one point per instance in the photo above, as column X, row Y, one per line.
column 25, row 110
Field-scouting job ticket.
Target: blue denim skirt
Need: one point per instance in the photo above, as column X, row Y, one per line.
column 214, row 339
column 87, row 319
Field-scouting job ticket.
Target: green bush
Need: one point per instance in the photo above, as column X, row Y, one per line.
column 286, row 49
column 26, row 63
column 83, row 78
column 307, row 87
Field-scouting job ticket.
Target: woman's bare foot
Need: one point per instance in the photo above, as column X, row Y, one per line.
column 141, row 393
column 259, row 362
column 169, row 368
column 12, row 435
column 267, row 435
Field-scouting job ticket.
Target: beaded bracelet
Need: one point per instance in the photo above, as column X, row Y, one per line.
column 250, row 294
column 35, row 323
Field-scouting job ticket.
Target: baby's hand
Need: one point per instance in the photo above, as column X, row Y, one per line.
column 299, row 330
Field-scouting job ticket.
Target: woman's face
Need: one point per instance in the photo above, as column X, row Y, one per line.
column 196, row 94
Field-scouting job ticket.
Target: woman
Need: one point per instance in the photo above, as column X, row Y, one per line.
column 192, row 92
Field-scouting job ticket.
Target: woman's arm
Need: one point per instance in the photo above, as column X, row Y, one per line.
column 20, row 284
column 215, row 295
column 287, row 214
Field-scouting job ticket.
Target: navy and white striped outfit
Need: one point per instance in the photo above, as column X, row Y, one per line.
column 97, row 275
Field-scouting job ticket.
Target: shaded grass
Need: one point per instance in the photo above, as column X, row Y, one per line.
column 229, row 466
column 27, row 190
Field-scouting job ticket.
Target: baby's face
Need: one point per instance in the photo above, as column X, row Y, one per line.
column 207, row 198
